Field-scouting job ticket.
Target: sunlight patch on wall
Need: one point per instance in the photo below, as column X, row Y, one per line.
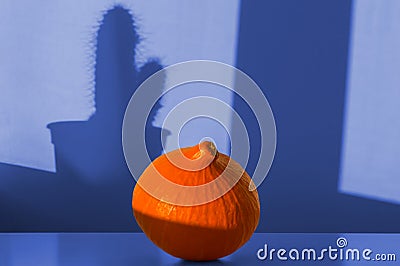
column 371, row 147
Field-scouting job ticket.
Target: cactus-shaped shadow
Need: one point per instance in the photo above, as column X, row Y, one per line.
column 92, row 149
column 92, row 187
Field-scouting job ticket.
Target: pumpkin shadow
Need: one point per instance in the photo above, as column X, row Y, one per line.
column 198, row 263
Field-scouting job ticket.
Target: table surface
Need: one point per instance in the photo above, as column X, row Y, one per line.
column 88, row 249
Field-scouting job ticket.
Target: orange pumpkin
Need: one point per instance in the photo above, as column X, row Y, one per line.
column 177, row 211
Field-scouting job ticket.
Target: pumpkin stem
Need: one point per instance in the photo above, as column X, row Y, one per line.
column 205, row 148
column 208, row 146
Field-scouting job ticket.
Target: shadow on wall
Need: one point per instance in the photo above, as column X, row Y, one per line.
column 92, row 188
column 302, row 46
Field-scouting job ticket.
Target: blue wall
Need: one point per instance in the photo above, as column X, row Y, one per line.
column 297, row 51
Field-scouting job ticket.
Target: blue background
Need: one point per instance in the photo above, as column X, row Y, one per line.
column 297, row 51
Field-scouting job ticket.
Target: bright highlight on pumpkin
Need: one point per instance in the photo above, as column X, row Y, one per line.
column 197, row 232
